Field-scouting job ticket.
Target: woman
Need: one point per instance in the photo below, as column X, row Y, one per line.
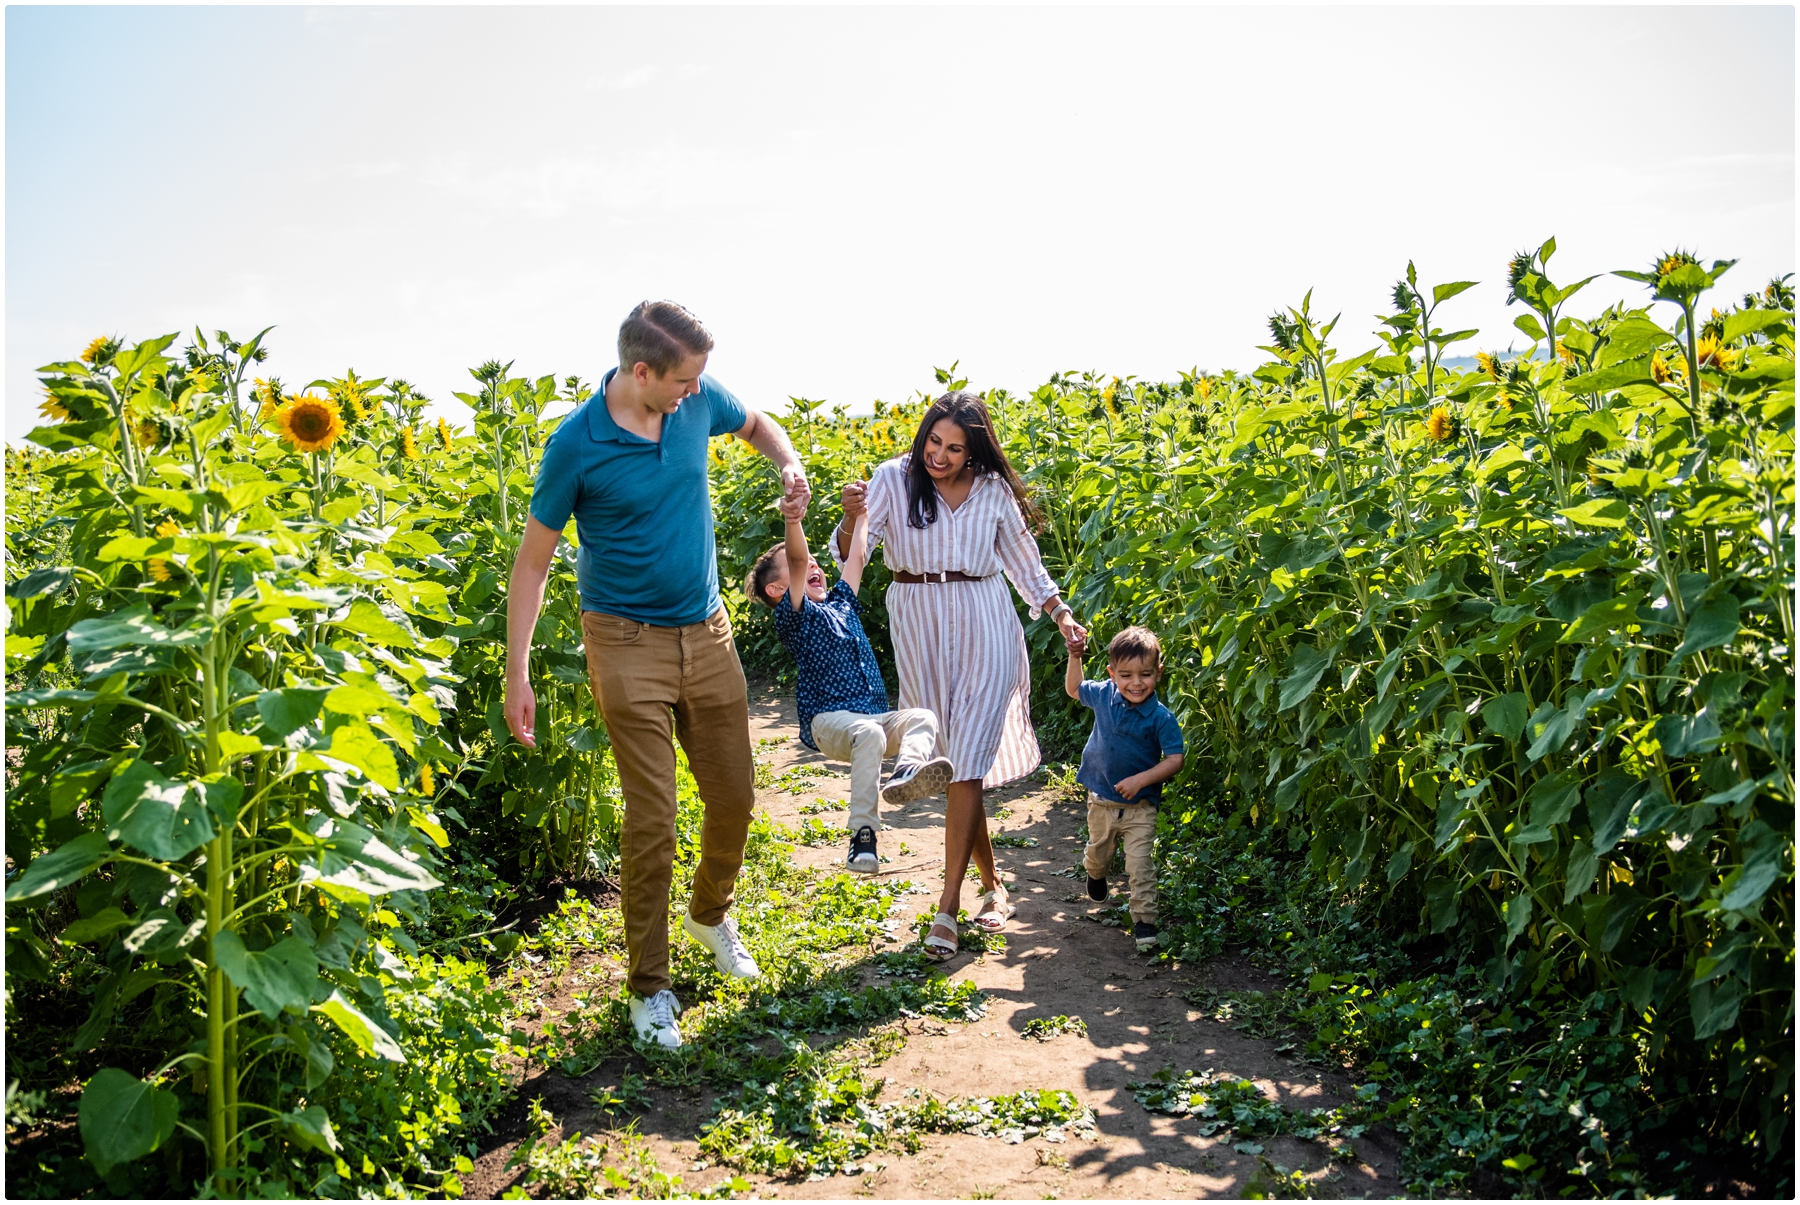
column 952, row 515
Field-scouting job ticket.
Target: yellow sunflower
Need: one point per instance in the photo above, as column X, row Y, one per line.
column 1203, row 387
column 167, row 528
column 311, row 424
column 1439, row 426
column 443, row 430
column 1488, row 364
column 52, row 408
column 1564, row 354
column 268, row 396
column 1659, row 370
column 147, row 432
column 1713, row 354
column 427, row 781
column 409, row 447
column 159, row 569
column 93, row 352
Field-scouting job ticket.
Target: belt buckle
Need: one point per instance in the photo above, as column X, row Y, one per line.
column 943, row 577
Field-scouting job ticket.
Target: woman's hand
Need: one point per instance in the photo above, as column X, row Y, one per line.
column 1074, row 635
column 856, row 500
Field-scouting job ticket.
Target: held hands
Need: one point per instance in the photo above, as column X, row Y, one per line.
column 1074, row 635
column 796, row 492
column 856, row 500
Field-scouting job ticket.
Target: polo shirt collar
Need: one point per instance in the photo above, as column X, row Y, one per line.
column 600, row 421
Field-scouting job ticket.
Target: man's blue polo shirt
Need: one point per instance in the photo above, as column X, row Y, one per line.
column 642, row 509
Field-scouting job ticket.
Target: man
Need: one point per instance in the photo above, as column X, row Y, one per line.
column 630, row 465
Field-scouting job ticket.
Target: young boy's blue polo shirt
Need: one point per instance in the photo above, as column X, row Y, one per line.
column 1127, row 739
column 837, row 666
column 642, row 509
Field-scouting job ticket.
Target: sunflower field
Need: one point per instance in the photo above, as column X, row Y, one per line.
column 1484, row 665
column 1486, row 674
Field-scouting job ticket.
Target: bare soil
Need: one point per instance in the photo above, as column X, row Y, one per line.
column 1058, row 960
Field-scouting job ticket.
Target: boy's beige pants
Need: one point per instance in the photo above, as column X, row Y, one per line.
column 908, row 736
column 651, row 684
column 1135, row 825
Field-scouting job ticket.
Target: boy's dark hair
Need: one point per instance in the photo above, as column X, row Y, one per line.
column 1135, row 644
column 662, row 335
column 756, row 582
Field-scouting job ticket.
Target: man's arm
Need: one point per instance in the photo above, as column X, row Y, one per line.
column 766, row 436
column 524, row 599
column 858, row 557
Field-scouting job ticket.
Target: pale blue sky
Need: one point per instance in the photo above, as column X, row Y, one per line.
column 850, row 196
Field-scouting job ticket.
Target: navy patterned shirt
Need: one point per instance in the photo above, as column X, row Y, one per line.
column 837, row 666
column 1127, row 739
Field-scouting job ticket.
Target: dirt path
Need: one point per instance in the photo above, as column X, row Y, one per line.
column 1058, row 961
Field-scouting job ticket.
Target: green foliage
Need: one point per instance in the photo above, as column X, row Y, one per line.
column 1045, row 1028
column 1501, row 658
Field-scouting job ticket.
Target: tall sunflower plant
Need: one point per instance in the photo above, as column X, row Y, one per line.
column 230, row 697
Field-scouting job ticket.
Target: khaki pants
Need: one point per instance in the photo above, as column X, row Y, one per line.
column 652, row 683
column 1135, row 825
column 909, row 736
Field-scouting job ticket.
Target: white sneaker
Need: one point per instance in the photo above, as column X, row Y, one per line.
column 654, row 1018
column 727, row 949
column 917, row 781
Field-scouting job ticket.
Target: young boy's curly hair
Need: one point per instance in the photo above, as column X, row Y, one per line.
column 1135, row 644
column 756, row 582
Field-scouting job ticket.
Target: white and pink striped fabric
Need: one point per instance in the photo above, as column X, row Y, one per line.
column 959, row 646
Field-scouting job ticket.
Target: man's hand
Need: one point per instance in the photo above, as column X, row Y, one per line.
column 796, row 492
column 521, row 712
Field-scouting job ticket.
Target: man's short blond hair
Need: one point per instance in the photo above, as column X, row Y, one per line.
column 660, row 334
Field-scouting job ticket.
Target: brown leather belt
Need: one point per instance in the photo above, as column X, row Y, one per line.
column 948, row 575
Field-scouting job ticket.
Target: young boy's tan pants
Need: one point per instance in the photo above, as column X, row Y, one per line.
column 909, row 736
column 1135, row 825
column 652, row 683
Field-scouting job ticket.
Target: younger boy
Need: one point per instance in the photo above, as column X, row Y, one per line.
column 1135, row 747
column 842, row 702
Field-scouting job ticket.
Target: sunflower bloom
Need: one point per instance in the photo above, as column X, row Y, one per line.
column 1564, row 354
column 1438, row 426
column 100, row 349
column 168, row 528
column 52, row 408
column 268, row 396
column 1659, row 370
column 1488, row 364
column 1713, row 354
column 427, row 780
column 147, row 432
column 1203, row 387
column 409, row 447
column 443, row 430
column 159, row 569
column 311, row 424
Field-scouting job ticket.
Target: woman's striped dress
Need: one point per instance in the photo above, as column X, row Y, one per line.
column 959, row 646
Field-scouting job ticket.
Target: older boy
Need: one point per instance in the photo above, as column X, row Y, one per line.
column 841, row 700
column 1135, row 747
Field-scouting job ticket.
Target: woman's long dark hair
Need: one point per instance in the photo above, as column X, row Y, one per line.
column 968, row 411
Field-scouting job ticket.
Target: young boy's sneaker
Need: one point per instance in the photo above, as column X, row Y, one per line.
column 1097, row 890
column 654, row 1018
column 910, row 782
column 863, row 858
column 1146, row 934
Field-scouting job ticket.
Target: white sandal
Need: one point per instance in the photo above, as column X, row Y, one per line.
column 996, row 908
column 939, row 948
